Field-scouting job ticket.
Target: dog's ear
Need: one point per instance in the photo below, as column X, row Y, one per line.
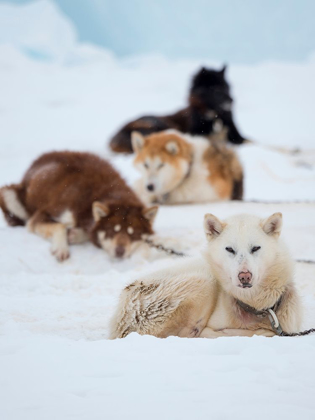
column 99, row 210
column 273, row 224
column 150, row 213
column 222, row 71
column 172, row 147
column 137, row 141
column 212, row 226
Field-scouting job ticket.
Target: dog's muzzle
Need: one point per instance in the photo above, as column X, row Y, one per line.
column 245, row 278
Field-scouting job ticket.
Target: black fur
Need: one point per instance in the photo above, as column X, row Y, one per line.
column 209, row 103
column 237, row 192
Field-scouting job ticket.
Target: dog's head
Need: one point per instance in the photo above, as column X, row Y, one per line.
column 243, row 250
column 119, row 229
column 210, row 90
column 163, row 159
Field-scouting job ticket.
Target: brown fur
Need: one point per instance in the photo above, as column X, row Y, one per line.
column 222, row 163
column 155, row 144
column 71, row 181
column 226, row 173
column 121, row 142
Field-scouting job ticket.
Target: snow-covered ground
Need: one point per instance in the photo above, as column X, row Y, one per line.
column 55, row 360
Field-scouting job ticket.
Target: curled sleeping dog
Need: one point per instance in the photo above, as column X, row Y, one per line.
column 245, row 264
column 72, row 197
column 178, row 168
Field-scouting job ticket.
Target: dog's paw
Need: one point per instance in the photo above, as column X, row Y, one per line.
column 264, row 332
column 61, row 253
column 248, row 141
column 76, row 236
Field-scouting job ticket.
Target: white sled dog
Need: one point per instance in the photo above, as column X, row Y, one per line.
column 177, row 168
column 245, row 270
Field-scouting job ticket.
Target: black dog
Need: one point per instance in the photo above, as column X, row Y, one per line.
column 209, row 111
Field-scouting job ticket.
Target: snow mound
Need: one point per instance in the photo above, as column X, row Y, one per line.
column 41, row 31
column 38, row 29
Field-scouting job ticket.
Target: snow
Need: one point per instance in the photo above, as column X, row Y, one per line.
column 240, row 32
column 55, row 360
column 37, row 28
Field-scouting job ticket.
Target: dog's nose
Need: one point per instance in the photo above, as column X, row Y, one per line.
column 245, row 277
column 150, row 187
column 120, row 250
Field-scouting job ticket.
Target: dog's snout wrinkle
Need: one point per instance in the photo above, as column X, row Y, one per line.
column 241, row 258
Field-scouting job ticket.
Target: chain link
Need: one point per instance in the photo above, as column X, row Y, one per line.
column 161, row 247
column 301, row 333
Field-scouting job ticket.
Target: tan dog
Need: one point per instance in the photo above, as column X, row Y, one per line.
column 245, row 264
column 178, row 168
column 72, row 197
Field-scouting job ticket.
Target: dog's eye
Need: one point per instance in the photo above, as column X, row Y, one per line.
column 130, row 230
column 255, row 248
column 146, row 165
column 161, row 166
column 229, row 249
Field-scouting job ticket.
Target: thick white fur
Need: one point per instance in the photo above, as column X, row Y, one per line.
column 197, row 297
column 192, row 186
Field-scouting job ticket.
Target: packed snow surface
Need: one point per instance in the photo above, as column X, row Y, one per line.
column 55, row 359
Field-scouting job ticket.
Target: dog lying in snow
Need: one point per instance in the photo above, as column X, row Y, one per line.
column 245, row 264
column 71, row 197
column 209, row 110
column 178, row 168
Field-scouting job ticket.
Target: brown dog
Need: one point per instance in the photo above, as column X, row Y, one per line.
column 72, row 197
column 177, row 168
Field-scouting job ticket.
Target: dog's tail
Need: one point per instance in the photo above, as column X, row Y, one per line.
column 12, row 198
column 145, row 308
column 121, row 142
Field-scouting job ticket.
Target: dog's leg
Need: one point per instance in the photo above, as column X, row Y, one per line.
column 210, row 333
column 231, row 332
column 77, row 236
column 233, row 134
column 41, row 224
column 234, row 332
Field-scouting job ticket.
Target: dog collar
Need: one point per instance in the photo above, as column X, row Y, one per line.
column 270, row 312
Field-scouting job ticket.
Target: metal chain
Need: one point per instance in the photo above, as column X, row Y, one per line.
column 301, row 333
column 280, row 202
column 161, row 247
column 171, row 251
column 305, row 261
column 274, row 321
